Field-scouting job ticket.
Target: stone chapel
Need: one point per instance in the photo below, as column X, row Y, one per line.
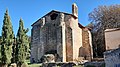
column 61, row 34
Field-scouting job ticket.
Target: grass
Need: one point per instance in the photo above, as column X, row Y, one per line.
column 27, row 61
column 32, row 65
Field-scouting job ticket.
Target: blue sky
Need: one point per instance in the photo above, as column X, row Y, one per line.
column 32, row 10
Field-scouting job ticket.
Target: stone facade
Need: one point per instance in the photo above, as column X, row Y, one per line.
column 112, row 38
column 112, row 55
column 86, row 44
column 112, row 58
column 60, row 34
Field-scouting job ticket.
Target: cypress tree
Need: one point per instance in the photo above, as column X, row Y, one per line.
column 14, row 51
column 0, row 48
column 7, row 40
column 21, row 44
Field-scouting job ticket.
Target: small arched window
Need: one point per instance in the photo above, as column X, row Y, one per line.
column 53, row 16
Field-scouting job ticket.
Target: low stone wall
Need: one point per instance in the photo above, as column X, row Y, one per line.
column 96, row 64
column 61, row 64
column 112, row 58
column 13, row 65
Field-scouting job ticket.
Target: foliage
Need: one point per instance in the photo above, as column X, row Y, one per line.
column 0, row 54
column 22, row 43
column 13, row 51
column 103, row 17
column 7, row 40
column 35, row 65
column 0, row 48
column 28, row 47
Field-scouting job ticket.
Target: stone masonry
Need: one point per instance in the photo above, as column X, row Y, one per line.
column 112, row 38
column 112, row 58
column 86, row 44
column 58, row 33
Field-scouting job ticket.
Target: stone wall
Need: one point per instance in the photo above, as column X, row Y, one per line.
column 61, row 42
column 112, row 38
column 86, row 44
column 59, row 64
column 46, row 36
column 112, row 58
column 69, row 44
column 94, row 64
column 74, row 35
column 35, row 41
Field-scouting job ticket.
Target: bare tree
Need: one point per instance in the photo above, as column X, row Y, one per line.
column 103, row 17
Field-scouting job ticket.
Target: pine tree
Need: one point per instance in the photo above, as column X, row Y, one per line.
column 7, row 40
column 21, row 43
